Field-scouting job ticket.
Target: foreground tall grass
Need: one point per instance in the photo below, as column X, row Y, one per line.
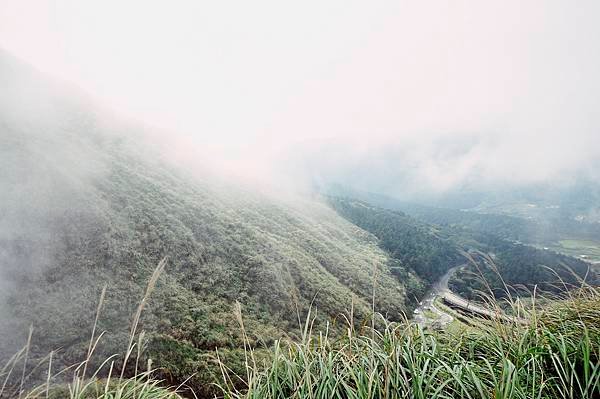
column 555, row 355
column 77, row 382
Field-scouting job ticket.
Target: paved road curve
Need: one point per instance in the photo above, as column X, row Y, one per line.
column 428, row 303
column 440, row 289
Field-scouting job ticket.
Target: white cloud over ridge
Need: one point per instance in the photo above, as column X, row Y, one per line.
column 431, row 94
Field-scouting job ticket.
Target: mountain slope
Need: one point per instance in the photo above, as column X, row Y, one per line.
column 419, row 247
column 85, row 203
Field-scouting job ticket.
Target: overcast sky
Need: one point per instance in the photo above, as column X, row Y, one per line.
column 508, row 90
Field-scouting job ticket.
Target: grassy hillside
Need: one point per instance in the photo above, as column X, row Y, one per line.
column 85, row 204
column 551, row 351
column 222, row 245
column 554, row 355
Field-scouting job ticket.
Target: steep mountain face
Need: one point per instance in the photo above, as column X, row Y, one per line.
column 417, row 246
column 84, row 205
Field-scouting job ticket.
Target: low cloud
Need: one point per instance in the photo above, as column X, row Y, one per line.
column 395, row 95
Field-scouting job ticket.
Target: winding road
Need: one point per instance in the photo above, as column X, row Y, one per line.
column 441, row 319
column 439, row 289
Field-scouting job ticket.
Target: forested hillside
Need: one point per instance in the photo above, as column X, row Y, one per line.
column 83, row 207
column 417, row 246
column 522, row 269
column 538, row 230
column 430, row 250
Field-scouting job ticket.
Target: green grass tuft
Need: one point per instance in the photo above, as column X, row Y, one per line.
column 555, row 356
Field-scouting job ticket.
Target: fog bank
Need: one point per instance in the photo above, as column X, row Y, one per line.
column 427, row 96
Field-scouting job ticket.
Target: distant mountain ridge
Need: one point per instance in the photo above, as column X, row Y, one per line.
column 501, row 224
column 520, row 264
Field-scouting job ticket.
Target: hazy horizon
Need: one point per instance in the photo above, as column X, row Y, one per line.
column 429, row 98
